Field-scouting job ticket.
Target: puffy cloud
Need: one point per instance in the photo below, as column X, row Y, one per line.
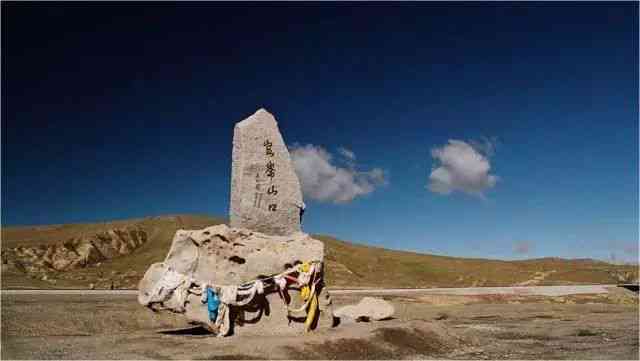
column 620, row 251
column 486, row 146
column 347, row 153
column 461, row 167
column 522, row 247
column 325, row 181
column 631, row 249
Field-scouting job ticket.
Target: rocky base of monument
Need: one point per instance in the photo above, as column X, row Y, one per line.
column 237, row 281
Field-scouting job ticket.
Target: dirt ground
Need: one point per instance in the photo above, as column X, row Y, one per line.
column 436, row 326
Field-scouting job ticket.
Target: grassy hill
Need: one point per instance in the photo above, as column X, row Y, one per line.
column 125, row 271
column 350, row 264
column 347, row 264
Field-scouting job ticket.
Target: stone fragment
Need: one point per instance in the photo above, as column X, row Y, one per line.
column 265, row 190
column 369, row 308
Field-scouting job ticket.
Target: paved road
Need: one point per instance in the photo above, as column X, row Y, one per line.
column 473, row 291
column 468, row 291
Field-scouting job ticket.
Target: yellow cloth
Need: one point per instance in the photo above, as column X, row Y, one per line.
column 305, row 291
column 311, row 313
column 305, row 267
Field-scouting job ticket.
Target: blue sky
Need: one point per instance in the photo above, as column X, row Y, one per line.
column 112, row 111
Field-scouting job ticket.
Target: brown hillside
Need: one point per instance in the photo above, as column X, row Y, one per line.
column 347, row 264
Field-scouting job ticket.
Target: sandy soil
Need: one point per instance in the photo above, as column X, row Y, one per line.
column 434, row 326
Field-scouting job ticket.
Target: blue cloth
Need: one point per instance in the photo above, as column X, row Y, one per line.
column 212, row 303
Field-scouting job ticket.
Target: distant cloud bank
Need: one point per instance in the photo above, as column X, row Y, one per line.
column 621, row 252
column 324, row 180
column 462, row 166
column 522, row 247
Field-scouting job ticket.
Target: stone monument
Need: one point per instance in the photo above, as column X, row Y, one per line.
column 262, row 275
column 265, row 190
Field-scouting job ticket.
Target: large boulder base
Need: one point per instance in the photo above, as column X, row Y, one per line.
column 220, row 255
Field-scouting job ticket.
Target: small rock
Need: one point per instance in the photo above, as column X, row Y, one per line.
column 441, row 316
column 368, row 308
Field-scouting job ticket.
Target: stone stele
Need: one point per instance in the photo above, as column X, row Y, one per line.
column 265, row 190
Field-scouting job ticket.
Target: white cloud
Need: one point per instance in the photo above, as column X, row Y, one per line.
column 324, row 181
column 631, row 249
column 623, row 251
column 522, row 247
column 461, row 167
column 347, row 153
column 486, row 146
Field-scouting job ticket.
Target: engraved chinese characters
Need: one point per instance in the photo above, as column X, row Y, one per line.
column 271, row 172
column 265, row 191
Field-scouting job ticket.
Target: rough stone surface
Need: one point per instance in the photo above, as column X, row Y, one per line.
column 220, row 255
column 370, row 308
column 265, row 190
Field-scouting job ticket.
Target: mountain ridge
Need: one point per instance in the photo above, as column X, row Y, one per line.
column 347, row 264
